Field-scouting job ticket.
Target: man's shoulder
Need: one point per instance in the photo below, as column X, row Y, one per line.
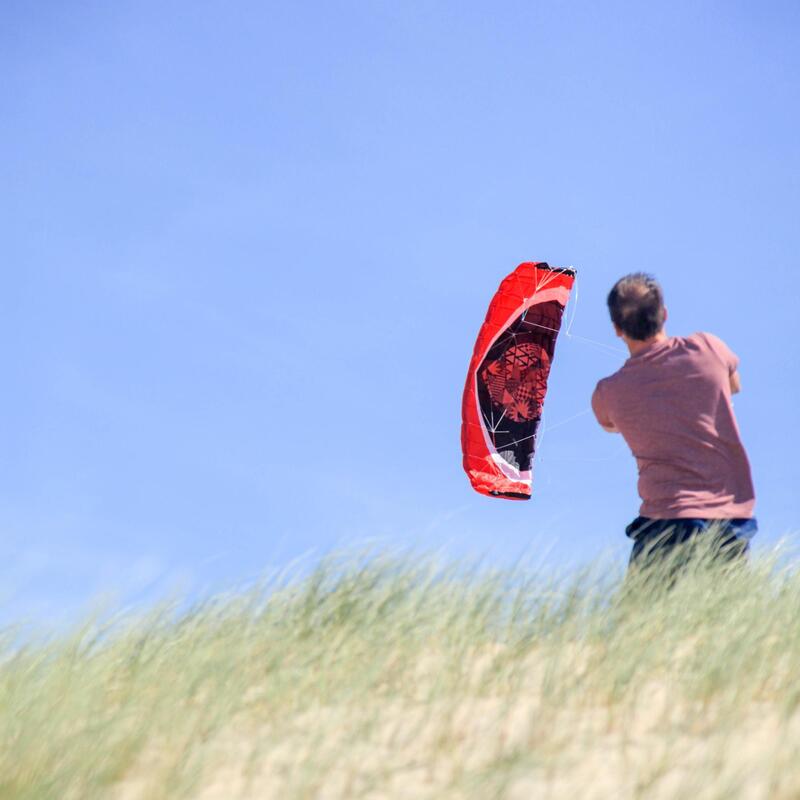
column 719, row 349
column 610, row 380
column 706, row 339
column 603, row 382
column 603, row 409
column 606, row 387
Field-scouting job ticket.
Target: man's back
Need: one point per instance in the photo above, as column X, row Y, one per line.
column 672, row 404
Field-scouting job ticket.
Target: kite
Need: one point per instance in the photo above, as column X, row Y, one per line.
column 507, row 379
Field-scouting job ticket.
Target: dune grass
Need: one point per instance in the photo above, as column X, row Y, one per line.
column 400, row 676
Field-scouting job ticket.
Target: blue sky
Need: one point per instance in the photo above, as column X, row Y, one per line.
column 247, row 248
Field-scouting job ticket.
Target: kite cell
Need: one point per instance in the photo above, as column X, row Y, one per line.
column 507, row 379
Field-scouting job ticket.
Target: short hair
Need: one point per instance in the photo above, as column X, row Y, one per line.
column 636, row 304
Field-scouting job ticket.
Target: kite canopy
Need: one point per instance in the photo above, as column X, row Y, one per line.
column 507, row 379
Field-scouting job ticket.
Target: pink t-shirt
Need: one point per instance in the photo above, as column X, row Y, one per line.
column 672, row 404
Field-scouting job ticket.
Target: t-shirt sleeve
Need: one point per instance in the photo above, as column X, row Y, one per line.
column 722, row 351
column 600, row 407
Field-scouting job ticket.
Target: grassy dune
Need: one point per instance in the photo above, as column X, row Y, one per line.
column 380, row 676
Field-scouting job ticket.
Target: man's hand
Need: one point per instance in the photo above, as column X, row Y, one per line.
column 736, row 382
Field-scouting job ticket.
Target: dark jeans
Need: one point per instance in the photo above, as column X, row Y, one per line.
column 657, row 537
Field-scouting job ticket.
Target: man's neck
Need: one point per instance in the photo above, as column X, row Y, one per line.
column 635, row 346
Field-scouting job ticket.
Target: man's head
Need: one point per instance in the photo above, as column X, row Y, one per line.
column 637, row 307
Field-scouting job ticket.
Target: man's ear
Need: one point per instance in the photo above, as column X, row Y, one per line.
column 618, row 331
column 666, row 314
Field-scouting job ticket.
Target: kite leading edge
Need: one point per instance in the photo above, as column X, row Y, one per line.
column 507, row 378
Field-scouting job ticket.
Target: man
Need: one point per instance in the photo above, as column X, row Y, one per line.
column 671, row 401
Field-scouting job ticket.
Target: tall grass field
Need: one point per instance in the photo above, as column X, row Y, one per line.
column 379, row 675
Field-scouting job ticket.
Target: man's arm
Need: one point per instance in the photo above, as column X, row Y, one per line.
column 728, row 358
column 600, row 412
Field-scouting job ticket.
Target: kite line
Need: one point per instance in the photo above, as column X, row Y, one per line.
column 605, row 348
column 617, row 351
